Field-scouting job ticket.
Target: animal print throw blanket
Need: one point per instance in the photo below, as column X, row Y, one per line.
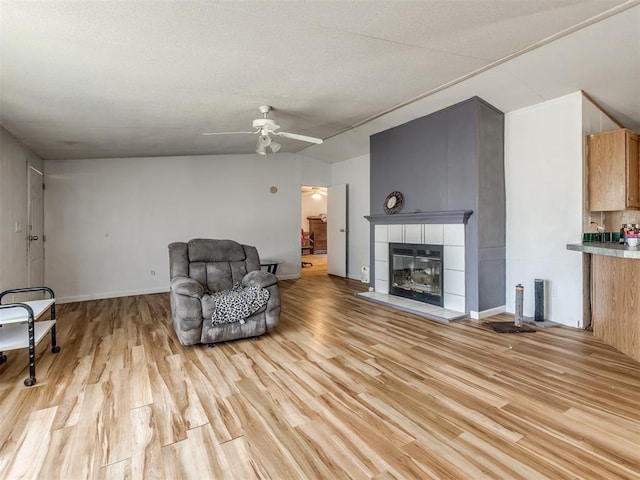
column 237, row 304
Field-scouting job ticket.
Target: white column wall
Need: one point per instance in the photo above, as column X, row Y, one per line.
column 108, row 222
column 543, row 172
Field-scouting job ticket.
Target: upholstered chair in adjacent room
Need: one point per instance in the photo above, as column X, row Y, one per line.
column 204, row 272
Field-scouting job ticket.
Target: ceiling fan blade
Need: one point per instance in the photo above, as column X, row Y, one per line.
column 296, row 136
column 227, row 133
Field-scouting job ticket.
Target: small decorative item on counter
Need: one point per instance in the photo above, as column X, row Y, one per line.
column 631, row 234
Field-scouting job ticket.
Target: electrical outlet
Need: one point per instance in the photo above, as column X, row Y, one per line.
column 18, row 227
column 153, row 273
column 554, row 292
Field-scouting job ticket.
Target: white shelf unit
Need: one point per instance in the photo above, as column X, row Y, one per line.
column 16, row 335
column 16, row 320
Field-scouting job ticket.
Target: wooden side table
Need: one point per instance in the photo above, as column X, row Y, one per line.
column 19, row 327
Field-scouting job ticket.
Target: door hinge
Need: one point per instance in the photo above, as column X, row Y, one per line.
column 43, row 186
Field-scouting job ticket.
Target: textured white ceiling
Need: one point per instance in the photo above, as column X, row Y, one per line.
column 87, row 79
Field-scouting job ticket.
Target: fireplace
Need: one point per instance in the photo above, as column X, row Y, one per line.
column 415, row 271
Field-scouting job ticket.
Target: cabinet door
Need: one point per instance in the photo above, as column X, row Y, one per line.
column 633, row 171
column 607, row 178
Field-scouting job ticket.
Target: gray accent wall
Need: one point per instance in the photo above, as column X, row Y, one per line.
column 452, row 159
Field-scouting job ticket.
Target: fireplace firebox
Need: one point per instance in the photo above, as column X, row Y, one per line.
column 415, row 271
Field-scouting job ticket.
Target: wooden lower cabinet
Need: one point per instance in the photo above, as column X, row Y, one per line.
column 615, row 302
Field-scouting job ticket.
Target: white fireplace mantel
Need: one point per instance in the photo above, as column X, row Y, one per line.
column 444, row 217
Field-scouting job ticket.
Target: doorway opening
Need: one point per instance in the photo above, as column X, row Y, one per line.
column 313, row 229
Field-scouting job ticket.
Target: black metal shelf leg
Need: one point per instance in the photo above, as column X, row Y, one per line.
column 32, row 353
column 54, row 348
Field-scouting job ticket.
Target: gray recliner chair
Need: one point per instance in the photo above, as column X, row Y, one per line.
column 202, row 267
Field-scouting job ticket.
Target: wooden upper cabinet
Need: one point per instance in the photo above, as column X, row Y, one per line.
column 614, row 171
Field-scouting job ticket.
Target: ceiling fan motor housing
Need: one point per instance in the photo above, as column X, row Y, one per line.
column 265, row 124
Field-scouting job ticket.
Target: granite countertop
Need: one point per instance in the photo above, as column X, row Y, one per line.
column 610, row 249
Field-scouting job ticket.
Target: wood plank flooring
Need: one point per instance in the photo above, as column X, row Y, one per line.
column 343, row 388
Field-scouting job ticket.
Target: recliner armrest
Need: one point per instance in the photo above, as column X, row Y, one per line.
column 259, row 278
column 187, row 286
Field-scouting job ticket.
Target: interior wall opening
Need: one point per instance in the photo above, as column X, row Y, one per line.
column 313, row 227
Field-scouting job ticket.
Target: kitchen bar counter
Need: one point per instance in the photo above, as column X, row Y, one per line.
column 609, row 249
column 615, row 294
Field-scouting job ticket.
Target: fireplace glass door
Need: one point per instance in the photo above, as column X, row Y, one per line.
column 416, row 272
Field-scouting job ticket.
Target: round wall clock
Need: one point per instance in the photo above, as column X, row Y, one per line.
column 393, row 203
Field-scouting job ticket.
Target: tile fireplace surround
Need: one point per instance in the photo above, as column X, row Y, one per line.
column 392, row 229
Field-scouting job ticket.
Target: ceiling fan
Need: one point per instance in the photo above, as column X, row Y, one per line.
column 265, row 127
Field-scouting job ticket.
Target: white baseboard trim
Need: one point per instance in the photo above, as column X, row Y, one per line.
column 102, row 296
column 487, row 313
column 358, row 278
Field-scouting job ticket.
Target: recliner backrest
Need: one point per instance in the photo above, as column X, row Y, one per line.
column 216, row 264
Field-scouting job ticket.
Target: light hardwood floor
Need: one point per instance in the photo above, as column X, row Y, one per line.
column 343, row 389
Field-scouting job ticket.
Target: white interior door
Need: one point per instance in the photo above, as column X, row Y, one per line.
column 35, row 230
column 337, row 230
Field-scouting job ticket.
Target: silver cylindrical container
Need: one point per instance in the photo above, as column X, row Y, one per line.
column 519, row 305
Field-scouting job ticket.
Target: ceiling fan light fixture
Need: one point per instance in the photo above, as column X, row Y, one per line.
column 260, row 148
column 275, row 147
column 264, row 140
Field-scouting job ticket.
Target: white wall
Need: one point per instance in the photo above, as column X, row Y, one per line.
column 108, row 222
column 355, row 173
column 543, row 171
column 14, row 159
